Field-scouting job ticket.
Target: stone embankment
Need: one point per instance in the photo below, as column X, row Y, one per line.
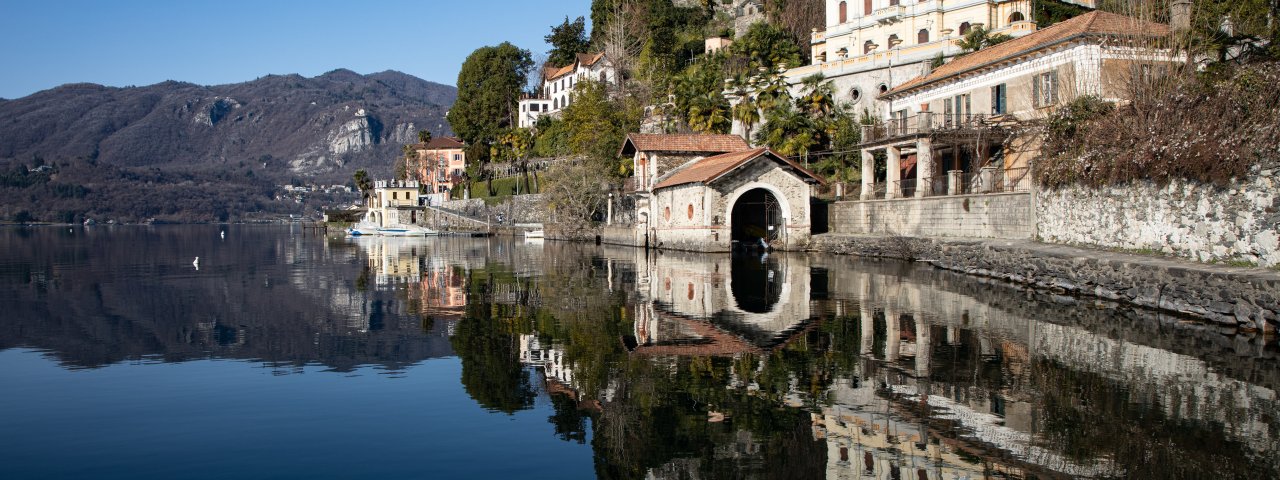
column 1247, row 299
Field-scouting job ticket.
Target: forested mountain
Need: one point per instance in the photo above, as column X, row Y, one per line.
column 224, row 146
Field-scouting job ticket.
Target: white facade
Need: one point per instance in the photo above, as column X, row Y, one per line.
column 876, row 45
column 558, row 85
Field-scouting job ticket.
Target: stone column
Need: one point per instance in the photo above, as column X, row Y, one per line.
column 924, row 167
column 893, row 330
column 866, row 314
column 924, row 341
column 868, row 175
column 988, row 178
column 893, row 173
column 955, row 180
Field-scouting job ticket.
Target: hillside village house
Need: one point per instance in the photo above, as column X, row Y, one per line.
column 440, row 165
column 706, row 192
column 558, row 83
column 871, row 46
column 943, row 131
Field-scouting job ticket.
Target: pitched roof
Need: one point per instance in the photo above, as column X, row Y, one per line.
column 693, row 143
column 1096, row 22
column 441, row 143
column 589, row 59
column 711, row 168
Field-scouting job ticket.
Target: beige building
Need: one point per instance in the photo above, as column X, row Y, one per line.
column 871, row 46
column 947, row 132
column 393, row 202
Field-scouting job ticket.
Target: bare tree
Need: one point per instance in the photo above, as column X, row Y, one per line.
column 623, row 39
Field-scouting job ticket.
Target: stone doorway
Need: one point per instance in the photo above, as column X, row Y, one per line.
column 757, row 214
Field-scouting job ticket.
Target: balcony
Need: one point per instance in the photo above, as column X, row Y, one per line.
column 922, row 124
column 890, row 14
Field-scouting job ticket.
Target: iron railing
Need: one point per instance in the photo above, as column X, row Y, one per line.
column 922, row 123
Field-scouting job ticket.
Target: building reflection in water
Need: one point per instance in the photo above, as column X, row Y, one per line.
column 949, row 382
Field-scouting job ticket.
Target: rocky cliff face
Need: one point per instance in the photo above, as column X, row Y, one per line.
column 320, row 128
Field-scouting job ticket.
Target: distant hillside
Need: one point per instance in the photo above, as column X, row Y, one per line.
column 276, row 129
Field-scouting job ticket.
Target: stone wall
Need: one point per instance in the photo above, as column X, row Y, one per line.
column 1235, row 298
column 1186, row 219
column 514, row 209
column 1007, row 215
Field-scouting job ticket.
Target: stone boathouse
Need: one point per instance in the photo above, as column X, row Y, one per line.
column 709, row 203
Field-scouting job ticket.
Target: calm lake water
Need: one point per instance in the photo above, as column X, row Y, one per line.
column 286, row 355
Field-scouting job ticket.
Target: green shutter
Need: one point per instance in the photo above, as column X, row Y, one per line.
column 1035, row 91
column 1053, row 89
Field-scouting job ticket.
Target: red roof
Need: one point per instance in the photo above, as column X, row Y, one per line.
column 711, row 168
column 691, row 143
column 441, row 143
column 1095, row 23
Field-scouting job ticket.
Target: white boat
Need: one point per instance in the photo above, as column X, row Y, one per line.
column 365, row 228
column 533, row 235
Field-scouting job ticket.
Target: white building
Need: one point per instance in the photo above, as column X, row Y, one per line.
column 558, row 84
column 870, row 47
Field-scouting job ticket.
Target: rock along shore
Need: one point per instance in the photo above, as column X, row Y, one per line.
column 1247, row 299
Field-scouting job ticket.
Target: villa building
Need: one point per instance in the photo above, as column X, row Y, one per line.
column 948, row 128
column 393, row 202
column 558, row 84
column 870, row 47
column 441, row 164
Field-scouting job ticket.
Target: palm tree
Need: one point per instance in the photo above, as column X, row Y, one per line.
column 747, row 111
column 818, row 98
column 424, row 136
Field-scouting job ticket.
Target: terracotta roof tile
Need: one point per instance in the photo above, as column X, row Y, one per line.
column 441, row 143
column 1093, row 23
column 711, row 168
column 589, row 59
column 694, row 143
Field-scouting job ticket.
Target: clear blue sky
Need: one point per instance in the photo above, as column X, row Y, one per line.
column 46, row 43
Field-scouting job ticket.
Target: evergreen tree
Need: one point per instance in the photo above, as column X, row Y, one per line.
column 489, row 86
column 567, row 41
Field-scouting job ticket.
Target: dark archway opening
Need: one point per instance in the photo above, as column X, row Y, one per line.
column 757, row 282
column 756, row 215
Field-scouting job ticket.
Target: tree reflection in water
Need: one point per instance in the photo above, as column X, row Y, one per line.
column 668, row 365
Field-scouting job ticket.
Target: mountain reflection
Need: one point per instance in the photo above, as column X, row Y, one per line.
column 673, row 365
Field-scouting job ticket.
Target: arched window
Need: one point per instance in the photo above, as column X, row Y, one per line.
column 892, row 40
column 866, row 7
column 1016, row 17
column 922, row 36
column 690, row 211
column 868, row 47
column 964, row 28
column 844, row 12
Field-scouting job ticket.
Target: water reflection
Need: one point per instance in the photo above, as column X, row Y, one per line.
column 672, row 365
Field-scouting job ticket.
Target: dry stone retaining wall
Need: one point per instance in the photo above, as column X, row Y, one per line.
column 1185, row 219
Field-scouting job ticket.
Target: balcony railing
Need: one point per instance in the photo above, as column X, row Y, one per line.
column 956, row 182
column 923, row 123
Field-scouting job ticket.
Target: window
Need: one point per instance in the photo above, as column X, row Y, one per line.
column 603, row 78
column 393, row 195
column 1044, row 89
column 855, row 94
column 690, row 211
column 963, row 110
column 1016, row 17
column 844, row 12
column 893, row 3
column 666, row 213
column 922, row 36
column 893, row 41
column 868, row 47
column 999, row 104
column 964, row 28
column 884, row 88
column 866, row 7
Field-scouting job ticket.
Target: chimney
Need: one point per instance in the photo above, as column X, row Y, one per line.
column 1180, row 15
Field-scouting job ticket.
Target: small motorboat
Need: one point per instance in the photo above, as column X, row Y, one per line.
column 534, row 235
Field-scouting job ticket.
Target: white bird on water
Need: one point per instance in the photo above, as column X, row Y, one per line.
column 196, row 263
